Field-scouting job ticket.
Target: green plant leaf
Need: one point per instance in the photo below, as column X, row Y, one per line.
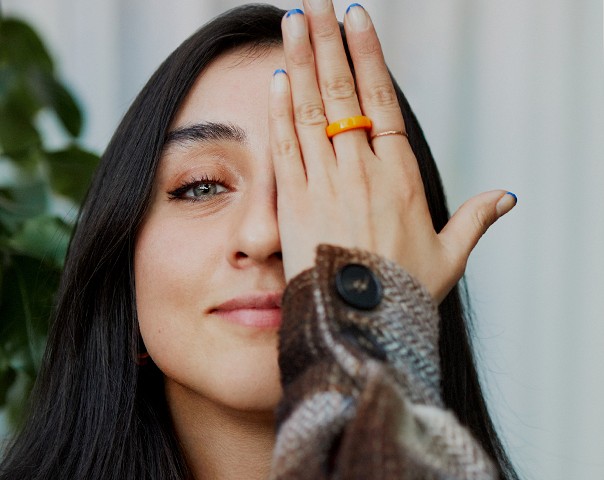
column 24, row 200
column 7, row 378
column 16, row 94
column 8, row 78
column 33, row 239
column 55, row 96
column 43, row 237
column 67, row 109
column 21, row 46
column 18, row 108
column 17, row 132
column 25, row 305
column 16, row 398
column 71, row 170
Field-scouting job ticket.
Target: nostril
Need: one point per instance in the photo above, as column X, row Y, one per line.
column 259, row 255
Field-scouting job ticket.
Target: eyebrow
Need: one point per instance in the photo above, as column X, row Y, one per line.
column 205, row 132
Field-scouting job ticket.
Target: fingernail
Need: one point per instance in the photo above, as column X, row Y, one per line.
column 318, row 4
column 296, row 23
column 279, row 82
column 354, row 5
column 295, row 11
column 506, row 203
column 359, row 20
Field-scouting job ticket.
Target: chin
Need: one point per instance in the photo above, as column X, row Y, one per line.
column 259, row 396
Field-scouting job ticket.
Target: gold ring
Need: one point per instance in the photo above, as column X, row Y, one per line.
column 350, row 123
column 390, row 132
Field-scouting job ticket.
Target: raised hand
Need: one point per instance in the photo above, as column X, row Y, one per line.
column 362, row 187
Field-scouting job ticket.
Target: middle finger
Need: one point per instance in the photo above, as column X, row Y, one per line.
column 334, row 77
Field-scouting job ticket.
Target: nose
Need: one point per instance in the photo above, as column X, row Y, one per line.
column 255, row 238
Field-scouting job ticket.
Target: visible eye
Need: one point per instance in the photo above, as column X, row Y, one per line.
column 198, row 190
column 204, row 190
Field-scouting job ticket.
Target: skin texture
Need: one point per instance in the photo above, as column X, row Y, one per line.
column 222, row 379
column 324, row 181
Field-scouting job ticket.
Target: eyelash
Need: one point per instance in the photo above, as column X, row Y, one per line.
column 179, row 193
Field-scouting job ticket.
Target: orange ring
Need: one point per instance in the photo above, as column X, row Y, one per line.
column 350, row 123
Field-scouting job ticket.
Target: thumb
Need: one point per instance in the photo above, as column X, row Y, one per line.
column 472, row 220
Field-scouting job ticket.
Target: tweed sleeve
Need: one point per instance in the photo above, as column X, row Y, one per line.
column 362, row 385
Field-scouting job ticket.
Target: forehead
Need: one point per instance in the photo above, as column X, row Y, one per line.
column 233, row 87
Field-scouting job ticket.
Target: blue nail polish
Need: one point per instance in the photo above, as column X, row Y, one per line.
column 295, row 11
column 354, row 5
column 513, row 195
column 279, row 70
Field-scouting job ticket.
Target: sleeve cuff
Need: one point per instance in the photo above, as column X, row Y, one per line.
column 354, row 305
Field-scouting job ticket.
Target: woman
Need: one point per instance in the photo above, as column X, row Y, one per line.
column 212, row 197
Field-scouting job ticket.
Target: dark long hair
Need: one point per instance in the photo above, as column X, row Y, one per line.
column 94, row 413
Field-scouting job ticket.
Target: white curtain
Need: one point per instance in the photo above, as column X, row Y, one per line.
column 510, row 95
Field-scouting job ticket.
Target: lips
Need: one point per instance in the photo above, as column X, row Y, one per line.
column 260, row 310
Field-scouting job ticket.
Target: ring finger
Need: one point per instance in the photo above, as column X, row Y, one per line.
column 376, row 90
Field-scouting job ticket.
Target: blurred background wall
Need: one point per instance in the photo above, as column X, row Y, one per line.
column 510, row 95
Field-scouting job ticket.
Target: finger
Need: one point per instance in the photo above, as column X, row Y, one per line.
column 472, row 220
column 309, row 115
column 375, row 89
column 285, row 150
column 335, row 79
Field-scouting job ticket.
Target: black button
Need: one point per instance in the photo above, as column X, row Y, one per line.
column 358, row 286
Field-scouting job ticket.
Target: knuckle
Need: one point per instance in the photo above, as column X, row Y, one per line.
column 279, row 113
column 407, row 195
column 339, row 88
column 369, row 49
column 301, row 57
column 383, row 95
column 326, row 31
column 309, row 113
column 481, row 220
column 286, row 148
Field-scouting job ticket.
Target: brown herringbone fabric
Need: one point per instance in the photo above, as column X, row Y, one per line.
column 362, row 388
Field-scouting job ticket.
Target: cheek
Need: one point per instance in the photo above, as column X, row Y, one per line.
column 181, row 272
column 174, row 267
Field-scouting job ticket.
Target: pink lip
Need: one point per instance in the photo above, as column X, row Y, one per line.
column 261, row 310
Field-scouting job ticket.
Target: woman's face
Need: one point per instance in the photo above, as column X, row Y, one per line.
column 208, row 266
